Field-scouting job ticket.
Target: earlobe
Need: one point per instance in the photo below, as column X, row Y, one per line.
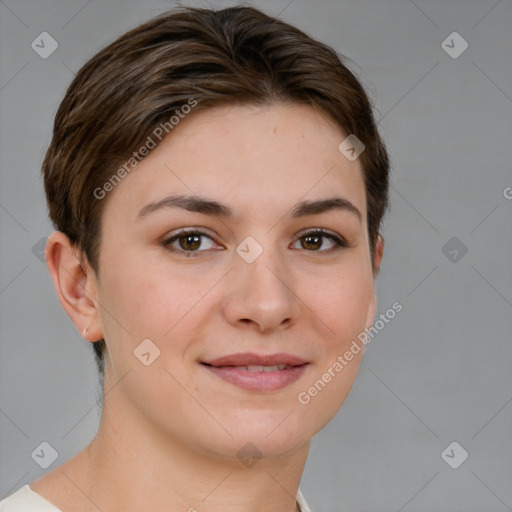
column 75, row 285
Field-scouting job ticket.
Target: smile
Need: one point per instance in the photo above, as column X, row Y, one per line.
column 261, row 368
column 260, row 373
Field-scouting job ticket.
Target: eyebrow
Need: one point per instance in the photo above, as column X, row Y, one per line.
column 190, row 203
column 324, row 205
column 194, row 203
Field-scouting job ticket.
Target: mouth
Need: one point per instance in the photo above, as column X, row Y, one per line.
column 255, row 372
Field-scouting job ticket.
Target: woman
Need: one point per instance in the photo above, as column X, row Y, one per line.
column 217, row 184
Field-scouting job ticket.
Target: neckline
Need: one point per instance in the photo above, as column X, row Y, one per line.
column 301, row 502
column 25, row 495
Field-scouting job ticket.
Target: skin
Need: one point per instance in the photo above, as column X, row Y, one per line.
column 170, row 431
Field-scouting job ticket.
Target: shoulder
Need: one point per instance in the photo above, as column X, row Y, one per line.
column 26, row 500
column 303, row 506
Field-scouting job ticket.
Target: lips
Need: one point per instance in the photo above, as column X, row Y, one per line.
column 262, row 368
column 255, row 372
column 251, row 359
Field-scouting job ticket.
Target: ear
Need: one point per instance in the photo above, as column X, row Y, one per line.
column 76, row 285
column 379, row 252
column 377, row 259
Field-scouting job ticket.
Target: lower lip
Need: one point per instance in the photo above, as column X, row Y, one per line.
column 258, row 381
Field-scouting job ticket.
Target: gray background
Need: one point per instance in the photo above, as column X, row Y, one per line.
column 439, row 372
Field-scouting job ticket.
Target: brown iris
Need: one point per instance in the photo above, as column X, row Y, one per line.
column 190, row 242
column 311, row 241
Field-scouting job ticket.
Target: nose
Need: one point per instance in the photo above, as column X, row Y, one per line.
column 261, row 294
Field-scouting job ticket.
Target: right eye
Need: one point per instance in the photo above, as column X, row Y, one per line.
column 189, row 241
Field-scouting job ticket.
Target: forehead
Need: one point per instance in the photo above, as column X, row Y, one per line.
column 259, row 156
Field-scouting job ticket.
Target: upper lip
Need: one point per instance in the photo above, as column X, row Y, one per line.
column 249, row 358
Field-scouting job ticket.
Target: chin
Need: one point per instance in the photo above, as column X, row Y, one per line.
column 269, row 434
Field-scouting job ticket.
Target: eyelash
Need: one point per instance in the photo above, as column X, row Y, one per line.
column 340, row 242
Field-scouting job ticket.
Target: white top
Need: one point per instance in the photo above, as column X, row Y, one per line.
column 27, row 500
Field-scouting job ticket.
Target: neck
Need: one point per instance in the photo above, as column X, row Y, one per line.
column 131, row 466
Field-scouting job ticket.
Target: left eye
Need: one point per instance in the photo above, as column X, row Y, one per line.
column 314, row 240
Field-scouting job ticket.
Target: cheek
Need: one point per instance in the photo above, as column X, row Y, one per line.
column 147, row 307
column 341, row 304
column 151, row 300
column 129, row 298
column 341, row 307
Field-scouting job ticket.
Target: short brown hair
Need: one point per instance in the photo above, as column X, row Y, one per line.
column 237, row 55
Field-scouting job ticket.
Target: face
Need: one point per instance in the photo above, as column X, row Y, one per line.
column 244, row 312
